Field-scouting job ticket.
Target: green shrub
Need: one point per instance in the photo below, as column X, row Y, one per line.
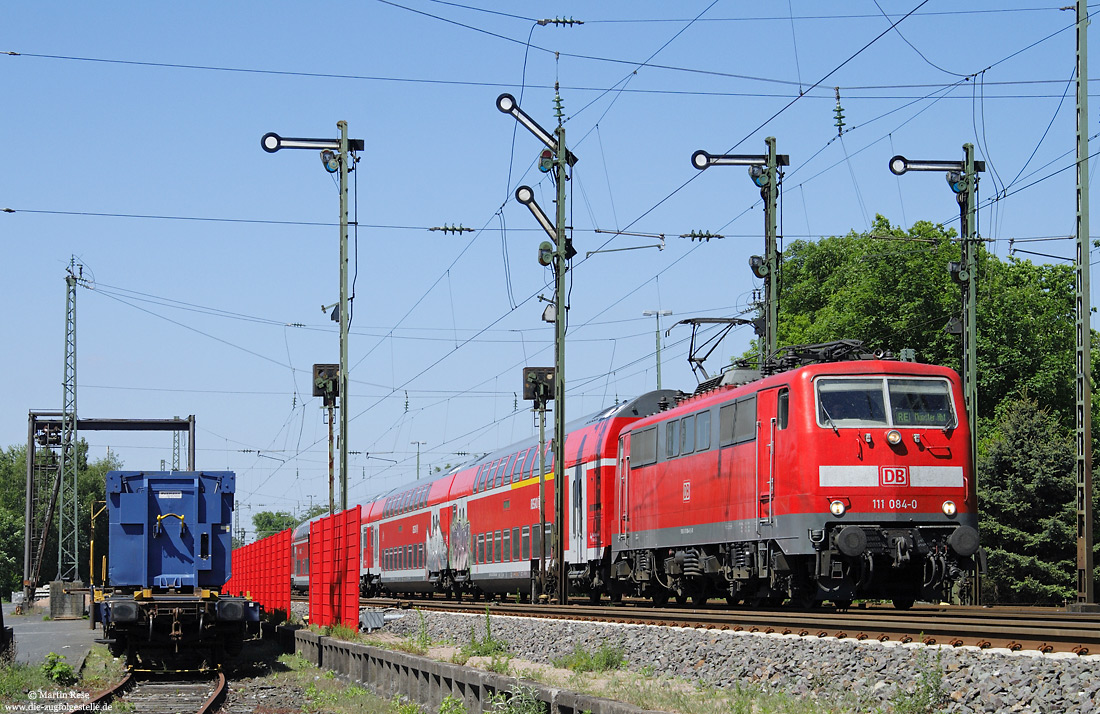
column 521, row 700
column 57, row 671
column 452, row 705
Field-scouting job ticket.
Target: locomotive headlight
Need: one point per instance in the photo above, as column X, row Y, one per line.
column 837, row 508
column 893, row 437
column 949, row 508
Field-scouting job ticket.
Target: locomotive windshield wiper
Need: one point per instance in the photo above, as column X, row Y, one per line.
column 829, row 419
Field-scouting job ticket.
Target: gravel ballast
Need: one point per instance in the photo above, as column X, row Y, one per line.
column 971, row 680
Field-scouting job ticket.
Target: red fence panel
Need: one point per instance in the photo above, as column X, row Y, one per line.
column 261, row 570
column 334, row 569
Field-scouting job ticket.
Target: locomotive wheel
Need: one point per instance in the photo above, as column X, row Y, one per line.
column 903, row 603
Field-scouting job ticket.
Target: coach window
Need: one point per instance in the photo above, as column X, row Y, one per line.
column 643, row 447
column 702, row 431
column 496, row 547
column 672, row 442
column 525, row 467
column 506, row 544
column 514, row 472
column 481, row 548
column 420, row 555
column 536, row 543
column 502, row 473
column 687, row 434
column 515, row 544
column 525, row 553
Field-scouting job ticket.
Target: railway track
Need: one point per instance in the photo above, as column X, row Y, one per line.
column 1016, row 629
column 162, row 695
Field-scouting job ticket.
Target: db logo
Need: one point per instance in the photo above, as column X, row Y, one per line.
column 893, row 476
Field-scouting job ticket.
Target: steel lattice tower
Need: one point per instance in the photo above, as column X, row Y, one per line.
column 67, row 543
column 175, row 449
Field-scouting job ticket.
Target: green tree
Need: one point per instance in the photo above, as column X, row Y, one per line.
column 266, row 523
column 317, row 509
column 891, row 289
column 91, row 486
column 1028, row 518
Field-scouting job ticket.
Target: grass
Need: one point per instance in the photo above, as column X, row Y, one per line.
column 54, row 673
column 928, row 695
column 324, row 692
column 18, row 679
column 604, row 659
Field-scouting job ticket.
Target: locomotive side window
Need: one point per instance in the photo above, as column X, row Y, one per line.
column 643, row 447
column 687, row 434
column 702, row 431
column 920, row 402
column 850, row 402
column 783, row 407
column 737, row 422
column 672, row 443
column 725, row 424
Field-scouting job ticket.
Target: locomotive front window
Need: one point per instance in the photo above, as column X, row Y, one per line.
column 850, row 402
column 920, row 402
column 884, row 402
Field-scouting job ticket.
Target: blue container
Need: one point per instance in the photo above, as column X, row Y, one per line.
column 170, row 529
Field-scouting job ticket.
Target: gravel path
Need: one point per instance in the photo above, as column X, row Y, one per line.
column 972, row 680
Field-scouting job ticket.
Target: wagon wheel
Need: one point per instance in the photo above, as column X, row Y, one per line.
column 660, row 597
column 903, row 603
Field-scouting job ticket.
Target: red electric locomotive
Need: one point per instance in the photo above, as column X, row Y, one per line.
column 828, row 482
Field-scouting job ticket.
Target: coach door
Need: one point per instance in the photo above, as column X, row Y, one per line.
column 623, row 469
column 765, row 454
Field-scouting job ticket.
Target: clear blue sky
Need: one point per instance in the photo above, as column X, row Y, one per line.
column 152, row 113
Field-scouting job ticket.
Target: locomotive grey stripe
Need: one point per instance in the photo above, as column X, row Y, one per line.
column 868, row 476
